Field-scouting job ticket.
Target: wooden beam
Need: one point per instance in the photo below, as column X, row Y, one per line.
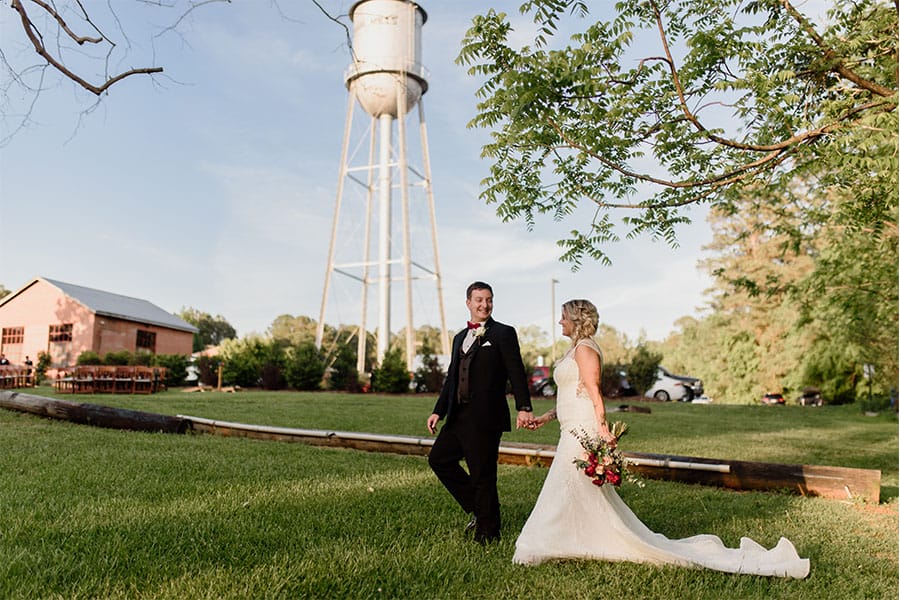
column 806, row 480
column 92, row 414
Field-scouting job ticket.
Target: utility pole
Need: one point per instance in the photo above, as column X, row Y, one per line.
column 553, row 283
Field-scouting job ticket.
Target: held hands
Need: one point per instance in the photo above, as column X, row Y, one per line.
column 536, row 422
column 525, row 420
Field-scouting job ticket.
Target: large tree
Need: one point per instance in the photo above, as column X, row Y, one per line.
column 663, row 104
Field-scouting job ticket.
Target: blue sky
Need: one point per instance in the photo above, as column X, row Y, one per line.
column 213, row 185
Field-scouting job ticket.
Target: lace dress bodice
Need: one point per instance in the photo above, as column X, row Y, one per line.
column 574, row 408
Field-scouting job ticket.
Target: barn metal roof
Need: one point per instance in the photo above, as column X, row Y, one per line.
column 121, row 307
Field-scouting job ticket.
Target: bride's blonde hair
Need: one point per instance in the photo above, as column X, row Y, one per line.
column 584, row 317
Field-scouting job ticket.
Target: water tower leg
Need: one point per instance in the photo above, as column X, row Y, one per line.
column 384, row 236
column 429, row 192
column 407, row 246
column 329, row 267
column 362, row 341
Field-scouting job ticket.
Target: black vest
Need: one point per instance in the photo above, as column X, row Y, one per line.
column 465, row 361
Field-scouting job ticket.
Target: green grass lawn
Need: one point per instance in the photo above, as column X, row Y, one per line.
column 98, row 513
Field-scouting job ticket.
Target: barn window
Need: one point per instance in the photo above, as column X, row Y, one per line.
column 146, row 340
column 61, row 333
column 12, row 335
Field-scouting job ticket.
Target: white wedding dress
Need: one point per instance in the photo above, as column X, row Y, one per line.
column 575, row 519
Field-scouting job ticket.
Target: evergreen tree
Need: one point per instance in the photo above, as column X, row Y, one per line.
column 304, row 367
column 392, row 376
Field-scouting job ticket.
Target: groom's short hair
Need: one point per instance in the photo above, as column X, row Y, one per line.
column 478, row 285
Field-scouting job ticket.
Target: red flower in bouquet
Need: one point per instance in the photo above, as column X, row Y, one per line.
column 613, row 477
column 602, row 462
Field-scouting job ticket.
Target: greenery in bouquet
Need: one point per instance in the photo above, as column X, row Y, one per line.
column 602, row 462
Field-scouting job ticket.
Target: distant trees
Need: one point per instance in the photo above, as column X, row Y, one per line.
column 801, row 298
column 213, row 329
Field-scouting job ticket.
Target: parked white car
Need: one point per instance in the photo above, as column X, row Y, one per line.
column 674, row 387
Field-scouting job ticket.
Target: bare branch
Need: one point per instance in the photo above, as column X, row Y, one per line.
column 80, row 40
column 194, row 6
column 36, row 40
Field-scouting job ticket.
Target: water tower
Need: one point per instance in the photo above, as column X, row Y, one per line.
column 386, row 80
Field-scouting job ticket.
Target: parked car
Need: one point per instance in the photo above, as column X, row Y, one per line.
column 772, row 399
column 538, row 374
column 810, row 397
column 674, row 387
column 541, row 384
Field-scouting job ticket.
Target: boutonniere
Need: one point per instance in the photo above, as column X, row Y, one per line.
column 480, row 331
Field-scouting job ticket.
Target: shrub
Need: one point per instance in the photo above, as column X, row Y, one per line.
column 176, row 367
column 272, row 377
column 304, row 367
column 271, row 374
column 243, row 360
column 342, row 375
column 208, row 368
column 610, row 380
column 392, row 376
column 642, row 370
column 875, row 404
column 430, row 376
column 89, row 357
column 143, row 359
column 43, row 363
column 118, row 358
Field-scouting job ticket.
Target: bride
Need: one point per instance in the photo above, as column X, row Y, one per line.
column 575, row 519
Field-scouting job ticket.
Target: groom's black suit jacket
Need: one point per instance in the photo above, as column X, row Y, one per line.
column 494, row 359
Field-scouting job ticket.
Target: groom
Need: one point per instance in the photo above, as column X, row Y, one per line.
column 484, row 357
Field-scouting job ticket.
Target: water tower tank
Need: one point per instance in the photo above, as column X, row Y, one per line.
column 387, row 49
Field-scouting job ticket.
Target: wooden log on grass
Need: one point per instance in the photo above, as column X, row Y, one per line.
column 92, row 414
column 841, row 483
column 806, row 480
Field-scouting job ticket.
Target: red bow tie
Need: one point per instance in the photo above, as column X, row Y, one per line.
column 474, row 325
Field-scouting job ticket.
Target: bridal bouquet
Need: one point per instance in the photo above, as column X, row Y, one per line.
column 601, row 462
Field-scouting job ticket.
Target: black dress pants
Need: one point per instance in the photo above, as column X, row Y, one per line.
column 475, row 490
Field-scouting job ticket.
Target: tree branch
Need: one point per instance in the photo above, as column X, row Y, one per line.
column 37, row 41
column 799, row 138
column 840, row 66
column 80, row 40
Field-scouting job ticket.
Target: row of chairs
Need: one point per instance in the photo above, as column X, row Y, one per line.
column 111, row 380
column 16, row 377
